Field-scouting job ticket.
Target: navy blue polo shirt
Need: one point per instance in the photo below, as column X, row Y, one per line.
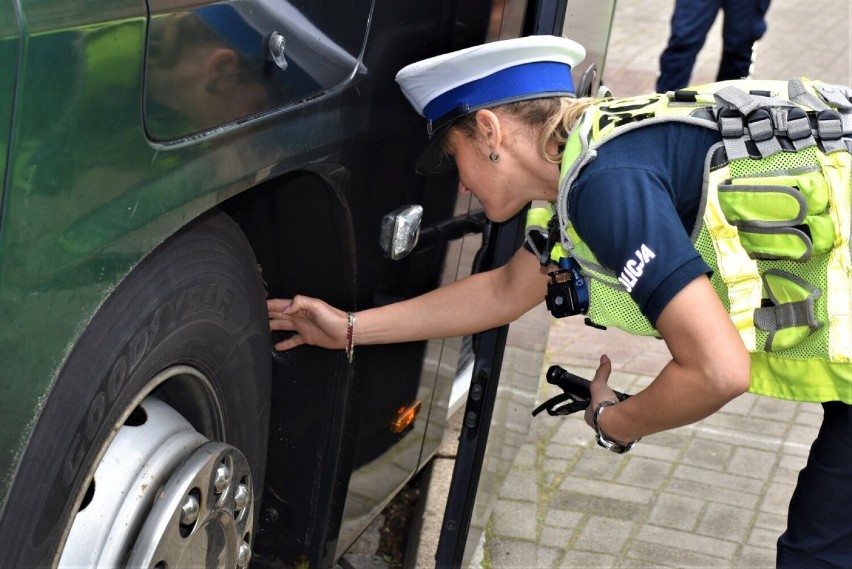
column 635, row 206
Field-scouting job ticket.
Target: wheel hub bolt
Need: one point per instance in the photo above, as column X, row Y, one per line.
column 243, row 555
column 221, row 478
column 189, row 510
column 241, row 498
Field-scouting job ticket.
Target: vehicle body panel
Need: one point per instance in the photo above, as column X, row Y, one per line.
column 100, row 168
column 89, row 193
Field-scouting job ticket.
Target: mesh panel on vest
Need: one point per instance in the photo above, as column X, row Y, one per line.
column 813, row 270
column 775, row 163
column 617, row 310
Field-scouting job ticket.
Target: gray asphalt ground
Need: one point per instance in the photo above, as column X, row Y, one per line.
column 713, row 494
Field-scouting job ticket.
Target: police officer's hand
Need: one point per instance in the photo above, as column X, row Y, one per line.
column 313, row 321
column 599, row 389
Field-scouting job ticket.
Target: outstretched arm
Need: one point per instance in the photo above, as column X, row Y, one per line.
column 476, row 303
column 710, row 366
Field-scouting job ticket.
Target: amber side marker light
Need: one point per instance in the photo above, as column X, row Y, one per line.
column 405, row 417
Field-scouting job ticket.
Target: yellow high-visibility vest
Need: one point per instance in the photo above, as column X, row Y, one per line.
column 775, row 225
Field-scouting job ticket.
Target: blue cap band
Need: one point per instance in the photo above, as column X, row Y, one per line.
column 539, row 78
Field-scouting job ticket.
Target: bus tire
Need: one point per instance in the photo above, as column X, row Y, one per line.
column 187, row 327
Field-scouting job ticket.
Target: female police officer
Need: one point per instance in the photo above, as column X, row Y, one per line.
column 676, row 207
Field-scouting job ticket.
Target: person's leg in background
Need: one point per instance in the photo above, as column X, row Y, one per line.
column 819, row 522
column 691, row 21
column 744, row 24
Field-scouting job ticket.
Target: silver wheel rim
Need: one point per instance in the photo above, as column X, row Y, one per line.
column 139, row 511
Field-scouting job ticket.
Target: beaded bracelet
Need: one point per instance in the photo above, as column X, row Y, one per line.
column 350, row 337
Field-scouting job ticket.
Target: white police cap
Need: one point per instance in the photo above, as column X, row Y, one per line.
column 448, row 86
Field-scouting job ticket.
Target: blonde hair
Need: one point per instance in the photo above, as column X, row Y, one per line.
column 552, row 117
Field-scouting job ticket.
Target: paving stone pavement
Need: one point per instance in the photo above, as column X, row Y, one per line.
column 713, row 494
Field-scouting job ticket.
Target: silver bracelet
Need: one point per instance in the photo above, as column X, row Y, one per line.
column 601, row 439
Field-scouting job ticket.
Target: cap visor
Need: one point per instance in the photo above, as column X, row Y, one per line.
column 433, row 160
